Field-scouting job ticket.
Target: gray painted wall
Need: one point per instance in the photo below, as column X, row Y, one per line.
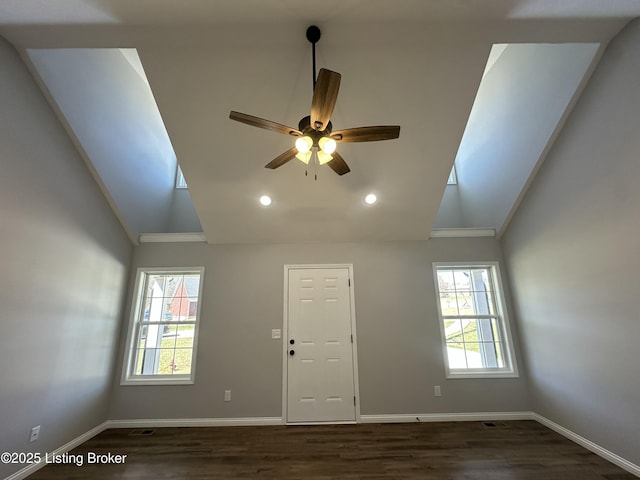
column 400, row 354
column 64, row 262
column 572, row 250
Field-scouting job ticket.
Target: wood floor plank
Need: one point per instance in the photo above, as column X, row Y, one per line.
column 522, row 450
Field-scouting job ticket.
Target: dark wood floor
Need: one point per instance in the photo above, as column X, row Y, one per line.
column 406, row 451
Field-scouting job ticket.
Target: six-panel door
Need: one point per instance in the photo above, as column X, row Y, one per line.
column 320, row 383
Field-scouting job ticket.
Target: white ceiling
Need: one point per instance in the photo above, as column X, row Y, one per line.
column 80, row 12
column 417, row 64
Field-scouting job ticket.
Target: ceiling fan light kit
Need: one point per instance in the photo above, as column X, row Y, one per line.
column 316, row 138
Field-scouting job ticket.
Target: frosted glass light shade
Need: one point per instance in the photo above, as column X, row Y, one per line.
column 304, row 157
column 324, row 157
column 327, row 145
column 304, row 144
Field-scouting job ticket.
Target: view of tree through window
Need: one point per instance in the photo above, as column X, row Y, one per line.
column 474, row 334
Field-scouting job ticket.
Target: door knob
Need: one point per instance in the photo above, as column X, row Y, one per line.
column 291, row 352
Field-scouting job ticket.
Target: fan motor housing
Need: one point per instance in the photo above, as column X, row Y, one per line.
column 305, row 127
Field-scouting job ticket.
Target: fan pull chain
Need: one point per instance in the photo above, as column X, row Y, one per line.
column 315, row 165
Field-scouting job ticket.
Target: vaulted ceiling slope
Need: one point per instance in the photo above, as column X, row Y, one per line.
column 412, row 63
column 104, row 97
column 524, row 95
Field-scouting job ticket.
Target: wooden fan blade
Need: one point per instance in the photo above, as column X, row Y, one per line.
column 367, row 134
column 325, row 94
column 262, row 123
column 282, row 159
column 338, row 164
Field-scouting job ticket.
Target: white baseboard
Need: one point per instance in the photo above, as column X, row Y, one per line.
column 446, row 417
column 589, row 445
column 391, row 418
column 79, row 440
column 145, row 423
column 494, row 416
column 194, row 422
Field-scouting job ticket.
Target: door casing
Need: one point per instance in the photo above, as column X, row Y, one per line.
column 285, row 337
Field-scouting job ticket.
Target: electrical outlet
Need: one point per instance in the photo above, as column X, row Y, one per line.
column 35, row 434
column 437, row 392
column 227, row 395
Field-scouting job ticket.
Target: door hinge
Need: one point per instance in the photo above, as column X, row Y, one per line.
column 354, row 401
column 352, row 338
column 349, row 281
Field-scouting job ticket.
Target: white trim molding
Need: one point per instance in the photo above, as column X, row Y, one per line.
column 194, row 422
column 447, row 417
column 462, row 232
column 171, row 237
column 589, row 445
column 67, row 447
column 505, row 416
column 390, row 418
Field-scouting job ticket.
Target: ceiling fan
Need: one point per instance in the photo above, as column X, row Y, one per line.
column 315, row 132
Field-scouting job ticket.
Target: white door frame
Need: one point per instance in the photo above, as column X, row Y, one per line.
column 285, row 336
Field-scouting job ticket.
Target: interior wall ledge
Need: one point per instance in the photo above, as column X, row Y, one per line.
column 172, row 237
column 462, row 232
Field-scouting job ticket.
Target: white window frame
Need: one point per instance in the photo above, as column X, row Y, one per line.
column 453, row 176
column 510, row 369
column 181, row 182
column 137, row 307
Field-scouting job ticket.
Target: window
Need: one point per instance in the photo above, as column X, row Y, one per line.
column 475, row 329
column 181, row 183
column 162, row 340
column 453, row 178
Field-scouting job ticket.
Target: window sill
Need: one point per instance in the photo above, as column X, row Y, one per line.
column 157, row 381
column 467, row 375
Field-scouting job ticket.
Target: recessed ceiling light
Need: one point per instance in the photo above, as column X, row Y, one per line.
column 370, row 199
column 265, row 200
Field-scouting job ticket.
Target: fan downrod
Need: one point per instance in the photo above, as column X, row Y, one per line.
column 313, row 35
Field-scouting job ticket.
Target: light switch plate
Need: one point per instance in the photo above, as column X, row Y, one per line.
column 275, row 333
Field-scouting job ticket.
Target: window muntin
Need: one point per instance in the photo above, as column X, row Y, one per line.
column 475, row 330
column 163, row 335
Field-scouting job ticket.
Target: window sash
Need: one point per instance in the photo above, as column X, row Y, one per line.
column 150, row 350
column 499, row 339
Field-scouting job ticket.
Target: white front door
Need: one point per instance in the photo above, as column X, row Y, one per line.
column 320, row 360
